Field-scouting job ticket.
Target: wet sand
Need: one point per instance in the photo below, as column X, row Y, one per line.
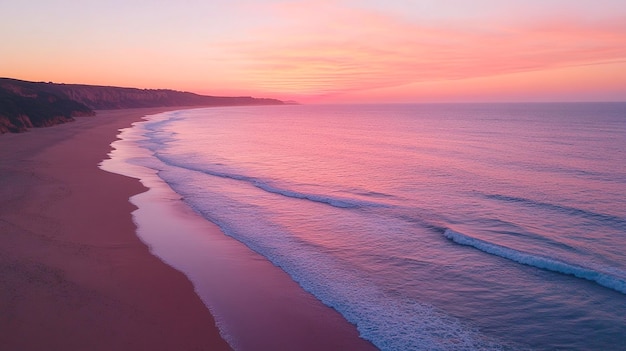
column 74, row 274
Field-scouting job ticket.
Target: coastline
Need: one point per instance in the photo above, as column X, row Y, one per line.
column 74, row 273
column 82, row 272
column 257, row 305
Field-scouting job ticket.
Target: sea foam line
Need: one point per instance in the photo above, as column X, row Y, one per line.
column 550, row 264
column 335, row 201
column 389, row 322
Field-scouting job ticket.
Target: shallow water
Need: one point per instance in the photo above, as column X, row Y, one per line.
column 439, row 227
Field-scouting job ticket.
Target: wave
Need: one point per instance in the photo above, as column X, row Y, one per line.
column 615, row 221
column 265, row 185
column 387, row 320
column 550, row 264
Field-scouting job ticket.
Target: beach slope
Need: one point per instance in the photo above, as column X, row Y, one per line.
column 74, row 274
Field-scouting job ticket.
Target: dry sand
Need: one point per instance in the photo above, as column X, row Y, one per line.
column 73, row 274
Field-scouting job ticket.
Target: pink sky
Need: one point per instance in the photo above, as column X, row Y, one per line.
column 326, row 50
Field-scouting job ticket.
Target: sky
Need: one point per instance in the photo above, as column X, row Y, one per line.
column 326, row 51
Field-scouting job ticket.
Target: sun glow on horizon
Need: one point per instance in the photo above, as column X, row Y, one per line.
column 329, row 50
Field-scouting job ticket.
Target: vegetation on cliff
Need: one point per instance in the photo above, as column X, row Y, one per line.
column 23, row 108
column 25, row 104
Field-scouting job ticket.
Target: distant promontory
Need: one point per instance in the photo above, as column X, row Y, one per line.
column 26, row 104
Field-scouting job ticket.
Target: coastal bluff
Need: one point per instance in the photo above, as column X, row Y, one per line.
column 25, row 104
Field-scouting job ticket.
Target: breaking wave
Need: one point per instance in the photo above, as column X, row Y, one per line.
column 551, row 264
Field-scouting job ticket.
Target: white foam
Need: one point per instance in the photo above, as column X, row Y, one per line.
column 551, row 264
column 266, row 185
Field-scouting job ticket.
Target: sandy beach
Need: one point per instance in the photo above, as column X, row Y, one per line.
column 74, row 275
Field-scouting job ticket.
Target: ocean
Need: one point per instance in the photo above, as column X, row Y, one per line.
column 428, row 226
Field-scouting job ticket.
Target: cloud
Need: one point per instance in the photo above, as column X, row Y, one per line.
column 321, row 48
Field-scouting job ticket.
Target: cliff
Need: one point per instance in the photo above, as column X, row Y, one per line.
column 23, row 107
column 25, row 104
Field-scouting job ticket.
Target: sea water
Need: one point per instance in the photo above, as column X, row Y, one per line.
column 428, row 226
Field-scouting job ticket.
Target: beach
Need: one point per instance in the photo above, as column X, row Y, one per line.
column 74, row 274
column 429, row 227
column 77, row 273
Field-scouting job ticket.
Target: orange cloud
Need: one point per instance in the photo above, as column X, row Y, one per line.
column 327, row 51
column 602, row 82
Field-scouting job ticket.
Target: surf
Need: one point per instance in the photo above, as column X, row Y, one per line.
column 604, row 279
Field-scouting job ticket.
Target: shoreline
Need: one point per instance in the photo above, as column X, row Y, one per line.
column 75, row 275
column 257, row 305
column 83, row 275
